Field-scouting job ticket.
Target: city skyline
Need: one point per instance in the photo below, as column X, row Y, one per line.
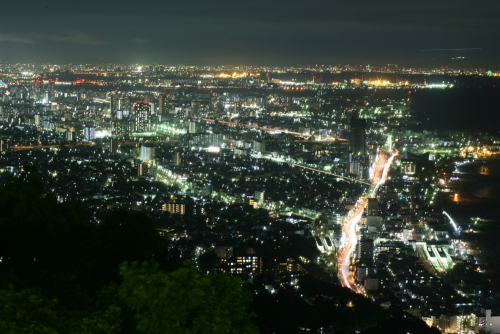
column 251, row 167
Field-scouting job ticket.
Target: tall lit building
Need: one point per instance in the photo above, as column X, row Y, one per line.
column 259, row 197
column 113, row 145
column 372, row 209
column 217, row 139
column 89, row 133
column 192, row 127
column 259, row 146
column 358, row 136
column 124, row 104
column 141, row 113
column 142, row 169
column 364, row 249
column 147, row 153
column 123, row 127
column 161, row 104
column 178, row 158
column 111, row 105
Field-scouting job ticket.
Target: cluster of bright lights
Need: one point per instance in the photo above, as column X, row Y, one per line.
column 169, row 129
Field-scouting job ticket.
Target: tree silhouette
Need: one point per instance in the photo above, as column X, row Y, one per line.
column 29, row 312
column 36, row 232
column 184, row 301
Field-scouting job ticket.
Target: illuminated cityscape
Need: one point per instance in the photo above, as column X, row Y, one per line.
column 156, row 176
column 277, row 182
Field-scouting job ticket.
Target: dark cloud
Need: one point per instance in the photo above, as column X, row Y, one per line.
column 33, row 38
column 17, row 38
column 254, row 31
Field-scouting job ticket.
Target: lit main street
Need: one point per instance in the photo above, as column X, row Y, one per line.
column 31, row 147
column 263, row 128
column 349, row 229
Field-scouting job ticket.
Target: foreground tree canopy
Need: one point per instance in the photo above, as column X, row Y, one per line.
column 147, row 301
column 184, row 301
column 60, row 274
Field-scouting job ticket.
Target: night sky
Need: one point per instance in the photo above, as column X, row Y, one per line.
column 270, row 32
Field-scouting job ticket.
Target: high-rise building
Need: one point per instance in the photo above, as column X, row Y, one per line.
column 217, row 139
column 192, row 127
column 113, row 145
column 147, row 153
column 142, row 114
column 123, row 127
column 178, row 158
column 195, row 107
column 89, row 133
column 70, row 135
column 124, row 104
column 372, row 209
column 259, row 146
column 161, row 104
column 364, row 249
column 142, row 169
column 259, row 197
column 112, row 106
column 358, row 136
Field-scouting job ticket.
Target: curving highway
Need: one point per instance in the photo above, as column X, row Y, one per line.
column 349, row 229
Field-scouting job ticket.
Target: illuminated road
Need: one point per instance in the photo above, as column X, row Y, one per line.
column 349, row 229
column 29, row 147
column 209, row 120
column 328, row 173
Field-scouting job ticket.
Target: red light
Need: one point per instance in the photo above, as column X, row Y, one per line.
column 409, row 92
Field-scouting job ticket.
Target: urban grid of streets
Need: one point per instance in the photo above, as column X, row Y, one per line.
column 349, row 228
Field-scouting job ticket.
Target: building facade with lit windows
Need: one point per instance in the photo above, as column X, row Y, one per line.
column 141, row 115
column 488, row 323
column 174, row 207
column 245, row 264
